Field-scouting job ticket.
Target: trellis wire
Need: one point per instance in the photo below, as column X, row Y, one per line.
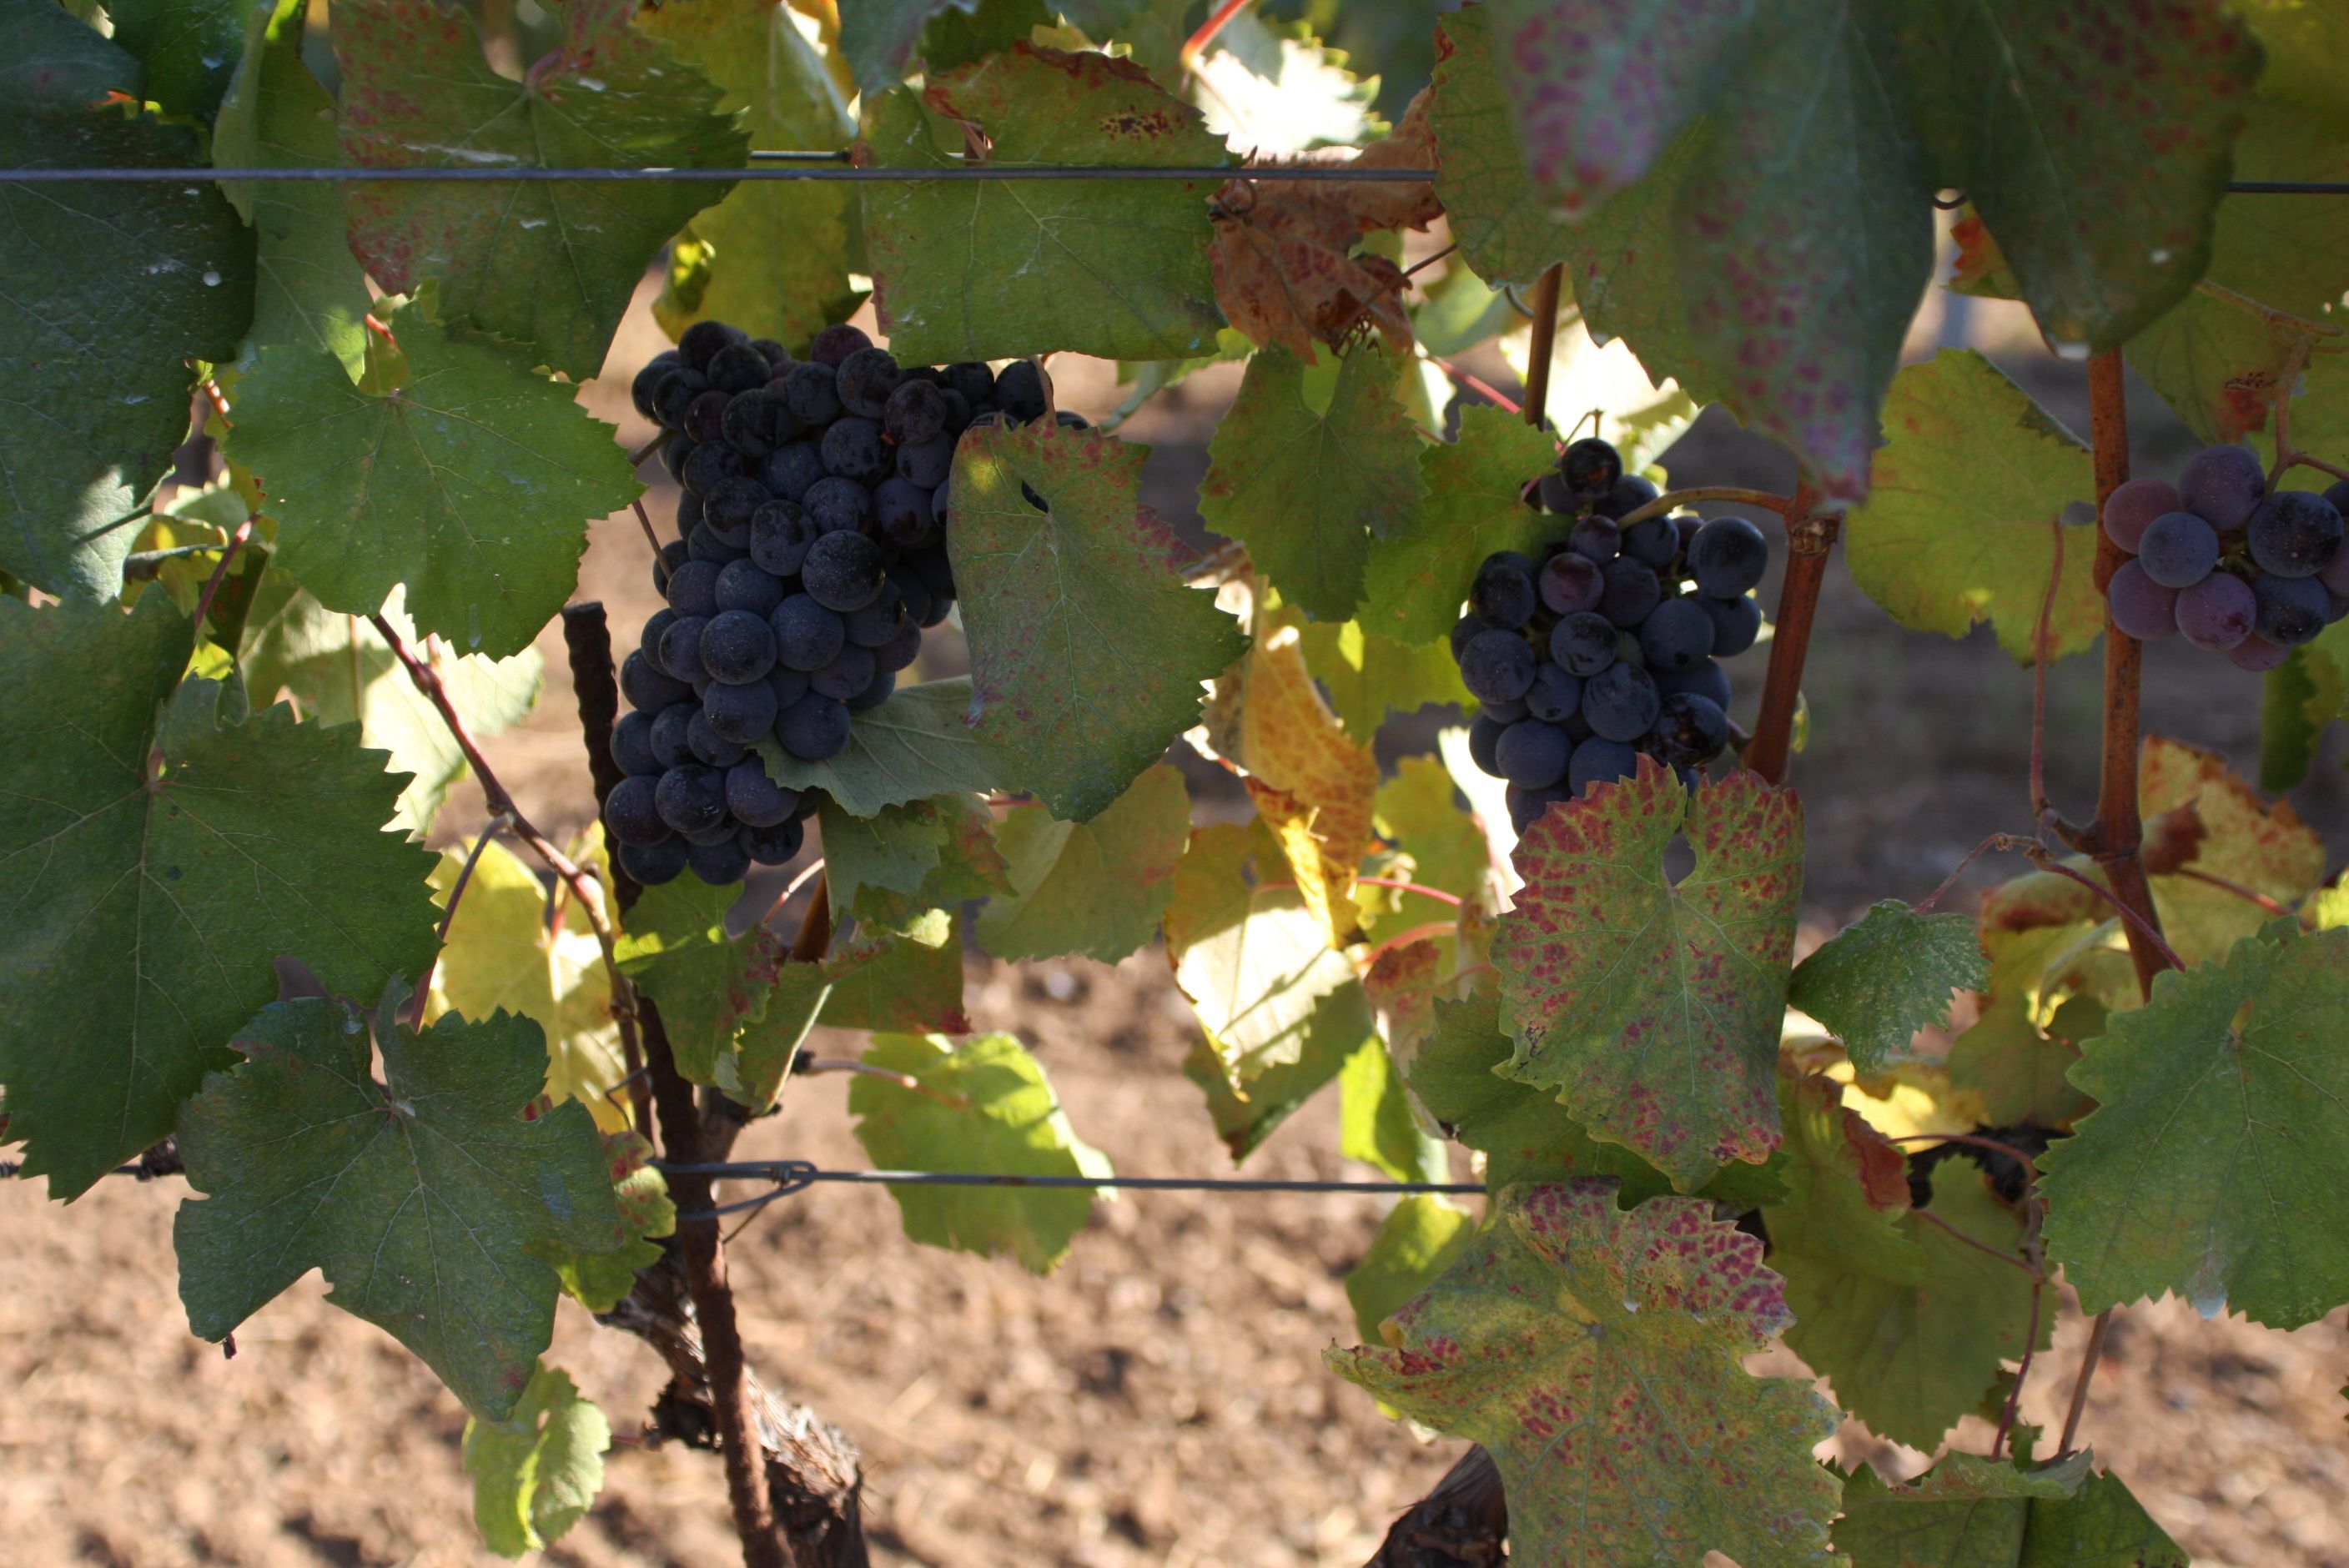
column 436, row 175
column 794, row 1176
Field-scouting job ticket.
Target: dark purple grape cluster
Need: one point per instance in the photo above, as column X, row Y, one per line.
column 1607, row 646
column 2223, row 562
column 810, row 555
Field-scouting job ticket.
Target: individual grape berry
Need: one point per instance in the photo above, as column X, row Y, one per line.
column 1503, row 594
column 852, row 448
column 737, row 367
column 866, row 379
column 1690, row 728
column 1632, row 591
column 1728, row 557
column 925, row 464
column 789, row 685
column 681, row 647
column 2294, row 534
column 1655, row 541
column 780, row 532
column 1621, row 702
column 1689, row 527
column 691, row 798
column 851, row 671
column 1597, row 540
column 693, row 588
column 776, row 845
column 814, row 729
column 839, row 506
column 1707, row 680
column 876, row 624
column 791, row 469
column 648, row 687
column 2214, row 614
column 755, row 800
column 834, row 345
column 1506, row 712
column 671, row 749
column 708, row 745
column 1496, row 667
column 1598, row 760
column 1532, row 754
column 649, row 379
column 1735, row 623
column 711, row 464
column 902, row 514
column 1554, row 694
column 705, row 417
column 1572, row 581
column 1019, row 390
column 2292, row 609
column 1584, row 644
column 843, row 572
column 632, row 743
column 650, row 865
column 2143, row 608
column 900, row 651
column 707, row 544
column 756, row 423
column 676, row 394
column 971, row 380
column 915, row 413
column 728, row 508
column 2130, row 509
column 741, row 713
column 630, row 813
column 1628, row 495
column 1463, row 629
column 690, row 514
column 1557, row 496
column 1527, row 807
column 738, row 647
column 718, row 834
column 807, row 635
column 656, row 625
column 2257, row 654
column 720, row 864
column 699, row 344
column 812, row 393
column 1677, row 637
column 1592, row 467
column 2178, row 549
column 777, row 356
column 747, row 585
column 673, row 455
column 1484, row 744
column 2222, row 486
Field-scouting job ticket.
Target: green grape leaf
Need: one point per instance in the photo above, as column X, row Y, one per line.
column 189, row 47
column 1416, row 1242
column 709, row 985
column 536, row 1473
column 420, row 1198
column 1964, row 522
column 1376, row 1123
column 500, row 956
column 894, row 850
column 1257, row 963
column 880, row 40
column 1652, row 1007
column 1095, row 889
column 916, row 744
column 1244, row 1122
column 985, row 270
column 552, row 265
column 112, row 290
column 2018, row 1069
column 598, row 1280
column 2297, row 699
column 1596, row 1355
column 772, row 258
column 1967, row 1511
column 983, row 1106
column 1419, row 577
column 308, row 288
column 481, row 478
column 1502, row 226
column 1368, row 677
column 1414, row 811
column 2215, row 1099
column 912, row 982
column 2038, row 131
column 1304, row 488
column 158, row 864
column 1878, row 982
column 339, row 669
column 1087, row 651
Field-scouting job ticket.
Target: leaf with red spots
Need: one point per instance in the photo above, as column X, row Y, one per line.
column 552, row 265
column 1961, row 528
column 1596, row 1355
column 1652, row 1007
column 979, row 270
column 1980, row 268
column 906, row 974
column 1087, row 651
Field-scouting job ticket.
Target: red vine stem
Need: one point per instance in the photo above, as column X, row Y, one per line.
column 2248, row 894
column 1197, row 44
column 647, row 524
column 1537, row 358
column 1809, row 537
column 1483, row 388
column 2022, row 1368
column 2040, row 805
column 1980, row 1246
column 2141, row 928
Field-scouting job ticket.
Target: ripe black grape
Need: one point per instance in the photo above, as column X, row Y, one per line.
column 2216, row 615
column 973, row 380
column 1591, row 468
column 699, row 342
column 1555, row 694
column 728, row 508
column 648, row 687
column 1570, row 582
column 1532, row 754
column 1690, row 729
column 670, row 746
column 1496, row 667
column 1556, row 495
column 1019, row 390
column 902, row 514
column 814, row 728
column 2257, row 654
column 2130, row 509
column 899, row 652
column 1632, row 591
column 851, row 671
column 1583, row 643
column 1620, row 703
column 710, row 465
column 1598, row 760
column 791, row 469
column 788, row 684
column 838, row 505
column 878, row 623
column 691, row 798
column 915, row 413
column 2147, row 611
column 1629, row 494
column 2291, row 610
column 2222, row 486
column 1728, row 557
column 652, row 864
column 746, row 586
column 707, row 544
column 1735, row 623
column 2294, row 533
column 681, row 647
column 1597, row 540
column 1503, row 594
column 737, row 367
column 812, row 393
column 1677, row 635
column 852, row 448
column 741, row 713
column 631, row 814
column 1707, row 680
column 708, row 745
column 738, row 647
column 705, row 417
column 925, row 464
column 720, row 864
column 2179, row 550
column 632, row 743
column 842, row 570
column 1483, row 743
column 674, row 394
column 774, row 845
column 754, row 798
column 647, row 380
column 807, row 635
column 1656, row 542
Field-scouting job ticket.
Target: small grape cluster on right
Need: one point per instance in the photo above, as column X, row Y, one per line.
column 2224, row 563
column 1605, row 647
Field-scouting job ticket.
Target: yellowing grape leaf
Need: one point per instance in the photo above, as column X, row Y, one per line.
column 2215, row 1101
column 982, row 270
column 1414, row 810
column 1312, row 786
column 306, row 1162
column 1961, row 528
column 1368, row 677
column 1094, row 888
column 1596, row 1355
column 550, row 265
column 481, row 478
column 907, row 976
column 160, row 851
column 1419, row 576
column 2261, row 845
column 1967, row 1511
column 536, row 1473
column 1304, row 488
column 1652, row 1009
column 1879, row 981
column 983, row 1106
column 1087, row 651
column 1416, row 1242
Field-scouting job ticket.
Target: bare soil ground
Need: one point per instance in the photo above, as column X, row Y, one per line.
column 1160, row 1400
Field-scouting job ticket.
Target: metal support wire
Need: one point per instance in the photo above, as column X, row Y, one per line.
column 817, row 166
column 793, row 1176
